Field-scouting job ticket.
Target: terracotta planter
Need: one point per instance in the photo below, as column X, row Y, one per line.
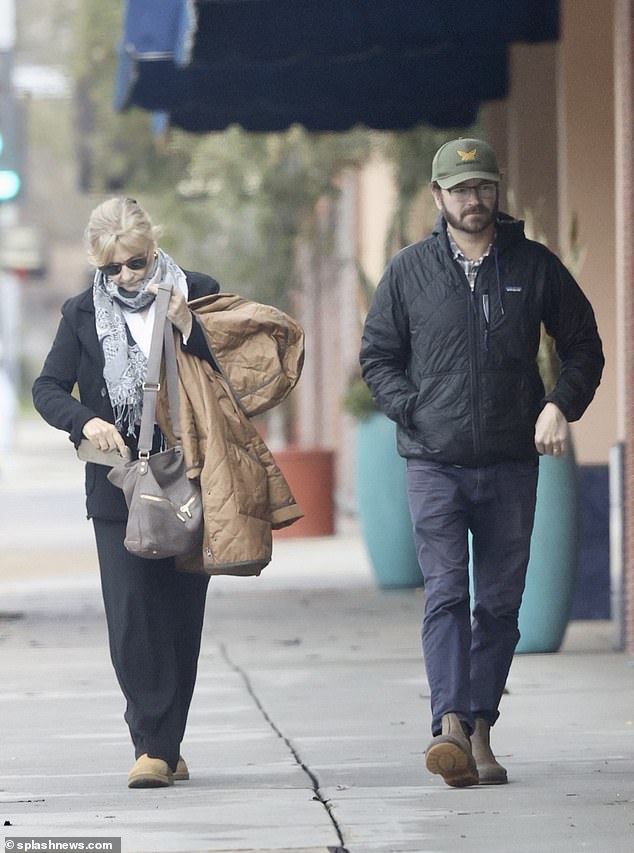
column 310, row 473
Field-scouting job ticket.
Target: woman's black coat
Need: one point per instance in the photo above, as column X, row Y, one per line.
column 76, row 358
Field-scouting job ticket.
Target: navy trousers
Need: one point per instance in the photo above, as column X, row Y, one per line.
column 468, row 654
column 155, row 619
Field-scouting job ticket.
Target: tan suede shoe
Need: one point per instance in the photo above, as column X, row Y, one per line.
column 490, row 771
column 181, row 774
column 449, row 754
column 150, row 773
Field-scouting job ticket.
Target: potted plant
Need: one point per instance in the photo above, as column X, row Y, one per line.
column 552, row 568
column 382, row 493
column 553, row 564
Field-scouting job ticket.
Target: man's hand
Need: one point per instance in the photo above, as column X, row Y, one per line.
column 551, row 431
column 177, row 311
column 103, row 435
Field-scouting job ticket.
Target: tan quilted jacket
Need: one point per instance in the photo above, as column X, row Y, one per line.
column 259, row 351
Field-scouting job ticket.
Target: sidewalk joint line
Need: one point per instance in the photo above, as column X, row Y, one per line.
column 314, row 781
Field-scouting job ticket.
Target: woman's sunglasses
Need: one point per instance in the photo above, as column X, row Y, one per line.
column 131, row 264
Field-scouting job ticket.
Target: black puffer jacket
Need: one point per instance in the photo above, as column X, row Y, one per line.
column 457, row 370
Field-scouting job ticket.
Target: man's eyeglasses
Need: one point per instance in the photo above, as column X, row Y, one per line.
column 131, row 264
column 486, row 190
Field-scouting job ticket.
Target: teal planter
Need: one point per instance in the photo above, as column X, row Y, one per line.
column 552, row 570
column 382, row 505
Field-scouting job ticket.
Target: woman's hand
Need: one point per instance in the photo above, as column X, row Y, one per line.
column 177, row 311
column 104, row 436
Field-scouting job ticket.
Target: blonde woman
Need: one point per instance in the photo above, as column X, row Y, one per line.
column 154, row 613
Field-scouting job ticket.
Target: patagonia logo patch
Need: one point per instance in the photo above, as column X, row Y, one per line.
column 513, row 288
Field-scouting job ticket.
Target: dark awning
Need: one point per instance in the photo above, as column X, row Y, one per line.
column 327, row 64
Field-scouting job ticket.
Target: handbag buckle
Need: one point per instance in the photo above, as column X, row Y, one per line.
column 151, row 386
column 144, row 461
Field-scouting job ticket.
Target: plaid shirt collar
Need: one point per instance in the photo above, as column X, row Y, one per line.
column 470, row 267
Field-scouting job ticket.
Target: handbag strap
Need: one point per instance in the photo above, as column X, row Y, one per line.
column 162, row 339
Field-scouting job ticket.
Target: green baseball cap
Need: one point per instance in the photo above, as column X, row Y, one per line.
column 463, row 159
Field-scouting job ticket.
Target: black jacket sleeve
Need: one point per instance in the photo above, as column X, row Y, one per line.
column 52, row 390
column 385, row 350
column 570, row 320
column 199, row 285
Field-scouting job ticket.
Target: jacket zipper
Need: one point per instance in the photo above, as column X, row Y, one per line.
column 474, row 372
column 472, row 336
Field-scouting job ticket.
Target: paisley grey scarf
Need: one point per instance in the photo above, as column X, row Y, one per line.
column 125, row 364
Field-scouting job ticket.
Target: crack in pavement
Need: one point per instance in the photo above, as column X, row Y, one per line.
column 314, row 781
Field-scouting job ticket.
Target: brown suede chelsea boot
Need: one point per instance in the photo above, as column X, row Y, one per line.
column 449, row 754
column 490, row 770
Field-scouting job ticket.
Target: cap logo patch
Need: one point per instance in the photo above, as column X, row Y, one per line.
column 467, row 156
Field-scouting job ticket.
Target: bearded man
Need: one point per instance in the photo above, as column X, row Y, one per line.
column 449, row 352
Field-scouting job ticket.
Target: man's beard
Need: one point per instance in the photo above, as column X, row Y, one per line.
column 486, row 219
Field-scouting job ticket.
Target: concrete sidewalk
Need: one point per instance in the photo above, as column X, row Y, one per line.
column 309, row 722
column 307, row 731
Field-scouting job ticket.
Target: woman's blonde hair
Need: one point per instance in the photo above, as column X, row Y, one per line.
column 119, row 222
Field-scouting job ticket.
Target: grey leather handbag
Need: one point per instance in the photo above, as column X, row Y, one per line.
column 165, row 514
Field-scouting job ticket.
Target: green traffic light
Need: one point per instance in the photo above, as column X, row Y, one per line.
column 9, row 184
